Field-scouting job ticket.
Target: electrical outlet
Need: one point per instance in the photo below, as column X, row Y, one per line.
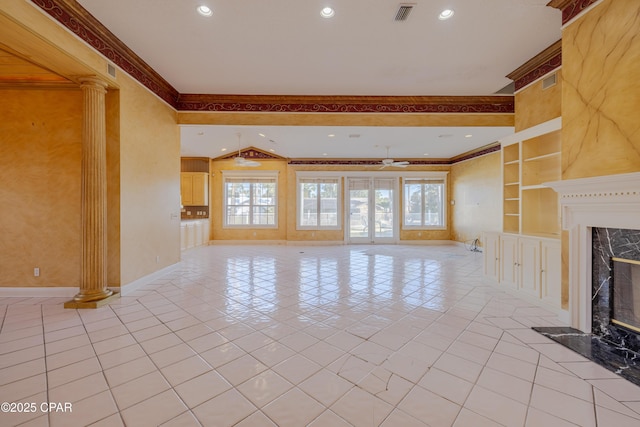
column 36, row 272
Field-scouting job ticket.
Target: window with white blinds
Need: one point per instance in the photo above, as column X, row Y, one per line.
column 424, row 203
column 250, row 201
column 318, row 203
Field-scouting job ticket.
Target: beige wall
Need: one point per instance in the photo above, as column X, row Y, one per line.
column 477, row 192
column 143, row 169
column 40, row 159
column 535, row 105
column 149, row 182
column 601, row 91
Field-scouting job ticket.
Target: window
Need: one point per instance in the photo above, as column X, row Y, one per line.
column 318, row 203
column 424, row 203
column 250, row 201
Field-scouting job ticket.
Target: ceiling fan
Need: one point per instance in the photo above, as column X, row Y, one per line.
column 390, row 162
column 241, row 161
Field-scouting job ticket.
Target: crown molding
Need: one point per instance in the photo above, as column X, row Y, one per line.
column 541, row 64
column 570, row 8
column 71, row 15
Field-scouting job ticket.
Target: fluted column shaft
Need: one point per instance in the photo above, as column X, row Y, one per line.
column 93, row 285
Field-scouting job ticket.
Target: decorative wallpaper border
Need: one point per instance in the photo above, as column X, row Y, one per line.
column 346, row 104
column 570, row 8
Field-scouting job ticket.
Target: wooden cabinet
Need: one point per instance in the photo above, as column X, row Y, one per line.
column 529, row 266
column 194, row 188
column 194, row 233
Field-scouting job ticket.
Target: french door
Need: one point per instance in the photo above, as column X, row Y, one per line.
column 372, row 208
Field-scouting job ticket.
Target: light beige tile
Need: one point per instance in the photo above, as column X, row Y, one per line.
column 184, row 370
column 293, row 409
column 619, row 388
column 202, row 388
column 329, row 419
column 225, row 409
column 128, row 371
column 241, row 369
column 361, row 408
column 79, row 389
column 257, row 419
column 467, row 418
column 506, row 385
column 400, row 418
column 563, row 406
column 155, row 410
column 264, row 387
column 139, row 389
column 496, row 407
column 429, row 407
column 223, row 354
column 326, row 386
column 296, row 369
column 446, row 385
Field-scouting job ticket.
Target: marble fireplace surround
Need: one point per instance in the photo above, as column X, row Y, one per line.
column 611, row 201
column 598, row 214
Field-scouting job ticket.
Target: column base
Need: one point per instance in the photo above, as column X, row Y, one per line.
column 92, row 304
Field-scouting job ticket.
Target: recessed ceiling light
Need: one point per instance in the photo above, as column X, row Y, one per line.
column 272, row 150
column 468, row 136
column 204, row 10
column 327, row 12
column 331, row 135
column 425, row 154
column 445, row 14
column 324, row 154
column 223, row 150
column 262, row 135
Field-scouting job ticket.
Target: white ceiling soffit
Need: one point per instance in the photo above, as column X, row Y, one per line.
column 347, row 142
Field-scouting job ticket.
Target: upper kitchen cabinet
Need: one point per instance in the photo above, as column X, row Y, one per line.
column 194, row 188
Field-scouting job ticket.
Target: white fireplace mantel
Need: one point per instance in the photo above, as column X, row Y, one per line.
column 611, row 201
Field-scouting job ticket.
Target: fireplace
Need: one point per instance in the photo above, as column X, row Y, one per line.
column 616, row 286
column 601, row 221
column 626, row 294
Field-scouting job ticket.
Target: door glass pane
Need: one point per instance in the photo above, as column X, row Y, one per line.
column 384, row 208
column 358, row 212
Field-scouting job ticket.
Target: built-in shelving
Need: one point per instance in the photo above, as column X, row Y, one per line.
column 529, row 159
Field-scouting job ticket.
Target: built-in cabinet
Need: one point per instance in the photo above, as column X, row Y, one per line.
column 194, row 188
column 528, row 264
column 194, row 233
column 526, row 256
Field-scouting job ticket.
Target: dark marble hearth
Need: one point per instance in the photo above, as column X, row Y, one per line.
column 622, row 361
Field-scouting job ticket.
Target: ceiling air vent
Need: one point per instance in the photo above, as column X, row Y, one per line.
column 111, row 69
column 403, row 11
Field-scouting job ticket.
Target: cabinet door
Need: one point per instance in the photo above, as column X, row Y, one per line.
column 491, row 249
column 509, row 260
column 551, row 272
column 529, row 266
column 200, row 189
column 186, row 189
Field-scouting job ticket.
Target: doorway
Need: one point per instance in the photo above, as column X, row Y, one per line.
column 372, row 211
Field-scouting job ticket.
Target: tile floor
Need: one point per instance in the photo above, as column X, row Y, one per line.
column 295, row 336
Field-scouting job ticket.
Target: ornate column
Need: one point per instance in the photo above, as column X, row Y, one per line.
column 93, row 285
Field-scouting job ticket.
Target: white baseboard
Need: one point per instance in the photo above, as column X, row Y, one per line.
column 39, row 292
column 138, row 283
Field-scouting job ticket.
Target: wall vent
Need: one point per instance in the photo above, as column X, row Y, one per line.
column 549, row 81
column 111, row 69
column 403, row 11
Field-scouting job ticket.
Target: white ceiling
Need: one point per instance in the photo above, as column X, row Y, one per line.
column 284, row 47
